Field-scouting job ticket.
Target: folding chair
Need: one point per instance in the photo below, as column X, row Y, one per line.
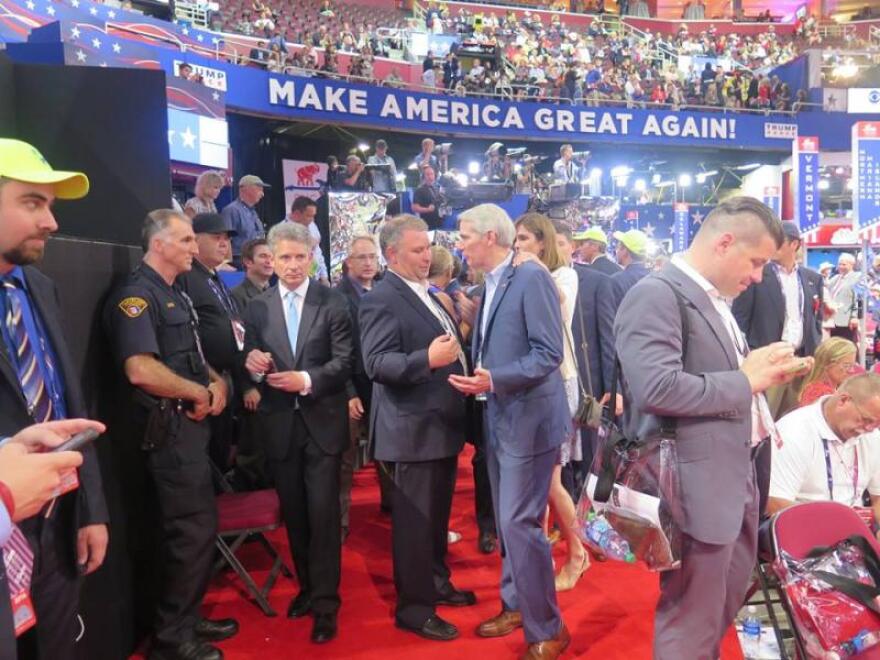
column 245, row 515
column 802, row 527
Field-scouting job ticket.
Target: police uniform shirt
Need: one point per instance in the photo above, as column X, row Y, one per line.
column 217, row 310
column 147, row 316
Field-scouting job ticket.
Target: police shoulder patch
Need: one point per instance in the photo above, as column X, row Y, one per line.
column 133, row 307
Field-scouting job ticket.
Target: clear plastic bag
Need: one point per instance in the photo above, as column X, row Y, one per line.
column 831, row 624
column 640, row 517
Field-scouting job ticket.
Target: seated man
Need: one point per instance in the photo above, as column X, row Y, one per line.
column 831, row 450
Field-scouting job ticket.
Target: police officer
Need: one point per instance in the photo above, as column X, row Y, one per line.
column 221, row 329
column 153, row 328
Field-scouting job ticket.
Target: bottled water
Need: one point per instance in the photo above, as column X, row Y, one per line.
column 751, row 634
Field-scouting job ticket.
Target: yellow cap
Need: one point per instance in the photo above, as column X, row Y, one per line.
column 591, row 234
column 22, row 162
column 633, row 240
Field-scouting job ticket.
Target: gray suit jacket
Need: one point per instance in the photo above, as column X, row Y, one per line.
column 843, row 297
column 706, row 393
column 527, row 410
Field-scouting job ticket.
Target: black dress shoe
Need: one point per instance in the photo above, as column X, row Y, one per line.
column 456, row 598
column 324, row 628
column 434, row 628
column 216, row 630
column 299, row 606
column 186, row 651
column 487, row 543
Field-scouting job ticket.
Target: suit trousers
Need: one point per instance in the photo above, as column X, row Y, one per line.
column 483, row 509
column 420, row 506
column 699, row 601
column 181, row 477
column 520, row 489
column 54, row 591
column 307, row 482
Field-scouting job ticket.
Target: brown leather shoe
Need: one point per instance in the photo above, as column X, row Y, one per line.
column 549, row 649
column 500, row 625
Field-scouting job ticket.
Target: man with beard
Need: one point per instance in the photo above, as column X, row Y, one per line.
column 38, row 383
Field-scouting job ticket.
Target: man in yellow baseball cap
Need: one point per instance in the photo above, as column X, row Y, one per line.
column 22, row 162
column 42, row 385
column 631, row 250
column 592, row 249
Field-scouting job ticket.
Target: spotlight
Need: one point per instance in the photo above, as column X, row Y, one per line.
column 640, row 185
column 685, row 180
column 701, row 178
column 364, row 147
column 474, row 167
column 621, row 180
column 462, row 179
column 824, row 184
column 656, row 179
column 595, row 173
column 620, row 171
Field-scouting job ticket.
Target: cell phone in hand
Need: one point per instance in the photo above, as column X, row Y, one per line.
column 79, row 441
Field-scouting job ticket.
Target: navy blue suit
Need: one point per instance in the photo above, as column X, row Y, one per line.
column 418, row 421
column 598, row 322
column 609, row 302
column 526, row 420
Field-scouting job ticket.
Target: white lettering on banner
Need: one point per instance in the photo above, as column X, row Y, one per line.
column 213, row 78
column 390, row 108
column 443, row 111
column 780, row 131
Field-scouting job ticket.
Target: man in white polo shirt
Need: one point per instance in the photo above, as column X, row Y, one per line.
column 831, row 450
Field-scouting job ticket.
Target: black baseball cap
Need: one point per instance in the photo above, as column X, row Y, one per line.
column 212, row 223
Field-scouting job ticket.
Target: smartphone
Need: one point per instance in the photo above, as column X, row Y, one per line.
column 79, row 441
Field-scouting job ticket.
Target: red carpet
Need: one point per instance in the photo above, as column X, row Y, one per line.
column 609, row 614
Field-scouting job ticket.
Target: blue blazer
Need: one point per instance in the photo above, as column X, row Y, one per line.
column 527, row 411
column 598, row 328
column 416, row 414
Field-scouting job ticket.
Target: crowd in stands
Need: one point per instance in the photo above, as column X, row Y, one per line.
column 542, row 60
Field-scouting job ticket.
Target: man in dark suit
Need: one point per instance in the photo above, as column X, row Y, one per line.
column 592, row 334
column 786, row 305
column 517, row 348
column 410, row 347
column 631, row 250
column 712, row 390
column 298, row 340
column 592, row 250
column 361, row 267
column 72, row 540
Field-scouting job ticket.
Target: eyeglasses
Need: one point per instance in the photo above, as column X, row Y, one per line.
column 867, row 422
column 364, row 257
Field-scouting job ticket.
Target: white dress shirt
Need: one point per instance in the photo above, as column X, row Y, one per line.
column 421, row 290
column 762, row 420
column 299, row 300
column 799, row 470
column 793, row 327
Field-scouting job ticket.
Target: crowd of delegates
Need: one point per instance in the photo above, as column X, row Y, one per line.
column 503, row 354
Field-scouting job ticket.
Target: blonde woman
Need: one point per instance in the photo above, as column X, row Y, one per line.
column 208, row 187
column 536, row 241
column 834, row 362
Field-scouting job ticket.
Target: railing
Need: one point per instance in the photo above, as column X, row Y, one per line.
column 191, row 12
column 836, row 30
column 587, row 101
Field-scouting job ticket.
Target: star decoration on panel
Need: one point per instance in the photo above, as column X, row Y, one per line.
column 697, row 218
column 649, row 229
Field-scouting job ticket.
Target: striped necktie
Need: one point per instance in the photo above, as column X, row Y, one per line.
column 18, row 559
column 30, row 375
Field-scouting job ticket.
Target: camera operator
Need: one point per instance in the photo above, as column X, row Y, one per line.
column 355, row 178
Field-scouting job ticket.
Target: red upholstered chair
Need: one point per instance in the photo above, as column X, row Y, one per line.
column 802, row 527
column 249, row 515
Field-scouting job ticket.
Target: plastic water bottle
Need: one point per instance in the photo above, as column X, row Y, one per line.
column 605, row 537
column 751, row 634
column 863, row 640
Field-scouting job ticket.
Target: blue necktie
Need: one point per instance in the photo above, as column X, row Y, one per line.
column 30, row 375
column 292, row 321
